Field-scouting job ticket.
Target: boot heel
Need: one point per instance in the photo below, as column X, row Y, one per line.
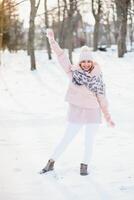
column 83, row 169
column 49, row 167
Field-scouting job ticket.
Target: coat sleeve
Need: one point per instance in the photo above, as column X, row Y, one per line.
column 61, row 56
column 101, row 97
column 103, row 102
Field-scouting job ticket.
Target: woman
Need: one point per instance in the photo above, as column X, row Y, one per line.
column 86, row 98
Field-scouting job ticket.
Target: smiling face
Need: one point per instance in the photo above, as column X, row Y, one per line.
column 86, row 65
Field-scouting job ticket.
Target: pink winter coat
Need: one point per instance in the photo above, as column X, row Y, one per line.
column 80, row 96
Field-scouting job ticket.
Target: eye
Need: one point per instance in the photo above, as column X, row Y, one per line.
column 89, row 61
column 83, row 61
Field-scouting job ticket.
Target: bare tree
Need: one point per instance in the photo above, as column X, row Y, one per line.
column 131, row 23
column 47, row 26
column 7, row 17
column 70, row 12
column 122, row 12
column 15, row 39
column 2, row 4
column 115, row 30
column 31, row 33
column 96, row 10
column 62, row 24
column 108, row 29
column 71, row 8
column 59, row 16
column 107, row 24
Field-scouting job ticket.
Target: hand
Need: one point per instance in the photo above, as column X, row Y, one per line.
column 50, row 33
column 111, row 123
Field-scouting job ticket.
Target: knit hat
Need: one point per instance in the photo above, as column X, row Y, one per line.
column 85, row 54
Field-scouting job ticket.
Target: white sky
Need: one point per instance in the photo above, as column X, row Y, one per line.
column 24, row 10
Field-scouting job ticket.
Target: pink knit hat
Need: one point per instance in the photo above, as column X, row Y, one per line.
column 85, row 54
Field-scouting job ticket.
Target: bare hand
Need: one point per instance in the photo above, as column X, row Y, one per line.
column 111, row 123
column 50, row 33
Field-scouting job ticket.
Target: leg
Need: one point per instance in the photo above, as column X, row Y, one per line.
column 71, row 131
column 90, row 134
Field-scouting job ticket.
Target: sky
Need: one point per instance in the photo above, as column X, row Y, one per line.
column 24, row 10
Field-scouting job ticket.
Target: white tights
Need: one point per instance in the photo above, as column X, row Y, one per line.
column 70, row 132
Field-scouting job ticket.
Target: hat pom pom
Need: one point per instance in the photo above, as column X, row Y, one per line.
column 85, row 48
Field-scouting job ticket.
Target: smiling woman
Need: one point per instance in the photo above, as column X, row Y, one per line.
column 86, row 99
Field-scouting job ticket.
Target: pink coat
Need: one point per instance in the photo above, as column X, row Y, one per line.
column 80, row 96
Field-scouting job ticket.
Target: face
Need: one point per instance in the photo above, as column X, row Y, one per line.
column 86, row 65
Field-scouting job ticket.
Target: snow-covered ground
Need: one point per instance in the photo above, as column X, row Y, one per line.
column 33, row 119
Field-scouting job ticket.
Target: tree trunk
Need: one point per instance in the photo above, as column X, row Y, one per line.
column 59, row 21
column 131, row 32
column 131, row 29
column 31, row 34
column 108, row 34
column 122, row 10
column 70, row 45
column 96, row 10
column 31, row 40
column 47, row 26
column 70, row 29
column 122, row 39
column 61, row 31
column 115, row 23
column 96, row 35
column 1, row 27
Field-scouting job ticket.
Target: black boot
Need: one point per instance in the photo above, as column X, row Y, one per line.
column 83, row 169
column 49, row 166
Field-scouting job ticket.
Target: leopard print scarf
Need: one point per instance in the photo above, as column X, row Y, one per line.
column 93, row 83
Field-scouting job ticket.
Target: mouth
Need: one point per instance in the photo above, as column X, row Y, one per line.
column 86, row 67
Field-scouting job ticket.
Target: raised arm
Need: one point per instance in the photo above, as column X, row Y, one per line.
column 61, row 56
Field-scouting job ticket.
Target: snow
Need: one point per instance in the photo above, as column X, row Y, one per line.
column 33, row 119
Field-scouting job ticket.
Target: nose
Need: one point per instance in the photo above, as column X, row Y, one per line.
column 87, row 63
